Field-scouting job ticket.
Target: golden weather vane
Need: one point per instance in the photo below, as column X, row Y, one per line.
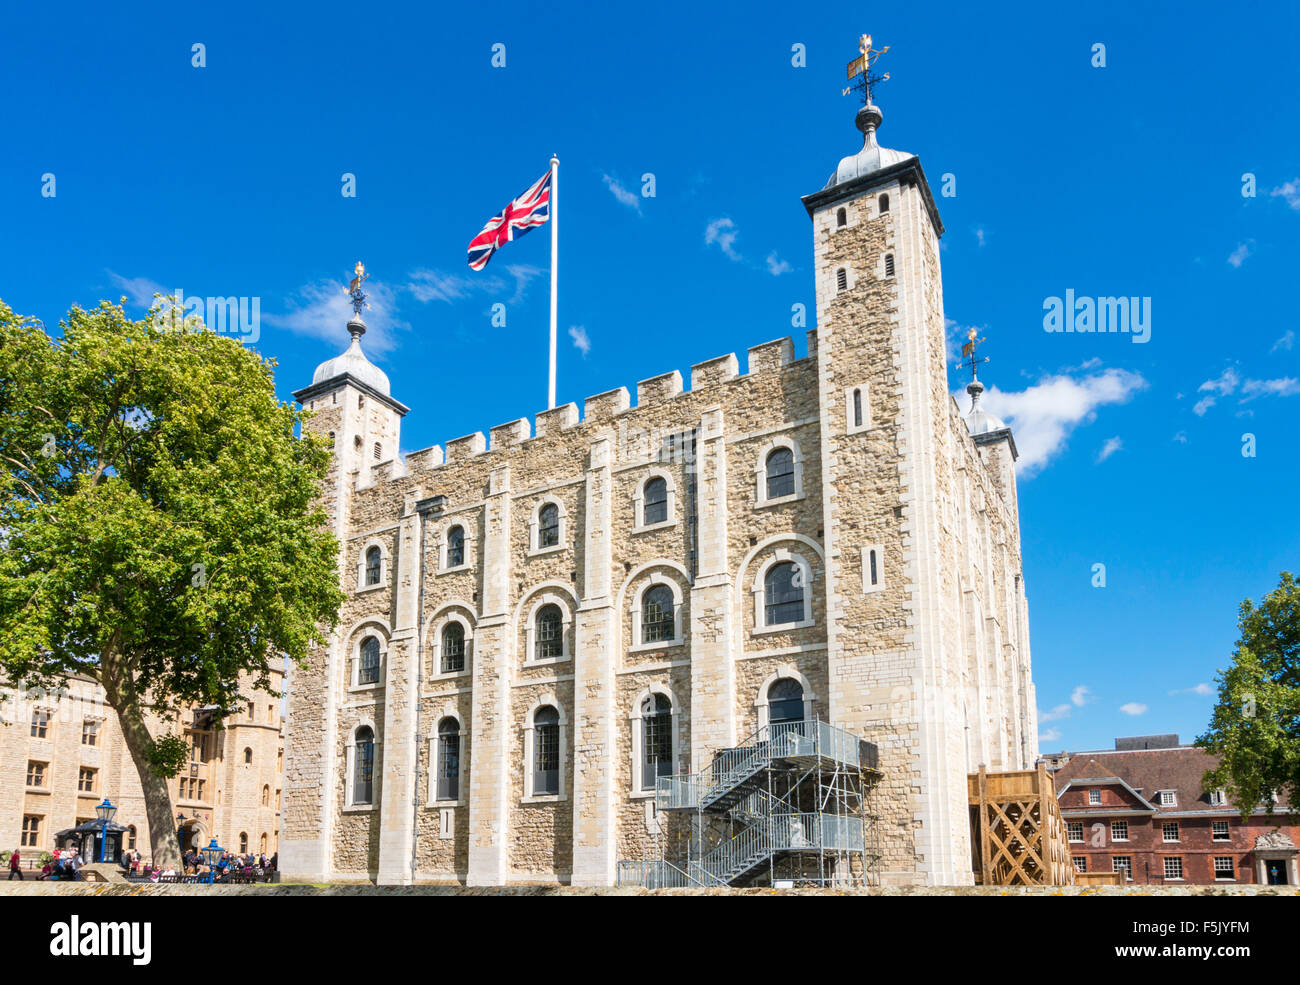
column 860, row 75
column 353, row 290
column 968, row 354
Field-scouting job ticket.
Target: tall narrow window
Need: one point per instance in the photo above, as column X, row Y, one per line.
column 89, row 732
column 546, row 751
column 374, row 557
column 248, row 755
column 783, row 593
column 841, row 279
column 550, row 633
column 363, row 766
column 455, row 547
column 785, row 701
column 31, row 831
column 35, row 774
column 548, row 526
column 857, row 408
column 40, row 724
column 130, row 838
column 379, row 450
column 449, row 759
column 873, row 563
column 841, row 218
column 453, row 648
column 656, row 739
column 884, row 203
column 780, row 473
column 368, row 670
column 266, row 796
column 243, row 843
column 655, row 509
column 657, row 622
column 889, row 265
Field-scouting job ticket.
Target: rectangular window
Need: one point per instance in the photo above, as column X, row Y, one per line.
column 86, row 780
column 1170, row 830
column 35, row 773
column 31, row 831
column 1124, row 864
column 1094, row 796
column 1221, row 831
column 1080, row 863
column 657, row 748
column 1074, row 829
column 1174, row 867
column 1168, row 798
column 1119, row 831
column 89, row 732
column 40, row 724
column 449, row 766
column 200, row 790
column 1218, row 798
column 1223, row 867
column 546, row 775
column 873, row 572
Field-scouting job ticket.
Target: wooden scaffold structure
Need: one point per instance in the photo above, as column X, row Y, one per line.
column 1017, row 834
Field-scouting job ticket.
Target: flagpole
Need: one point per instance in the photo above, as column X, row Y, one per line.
column 555, row 241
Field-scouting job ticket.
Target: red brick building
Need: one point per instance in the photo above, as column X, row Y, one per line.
column 1140, row 808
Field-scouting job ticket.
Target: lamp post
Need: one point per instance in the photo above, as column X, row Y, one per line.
column 104, row 812
column 212, row 855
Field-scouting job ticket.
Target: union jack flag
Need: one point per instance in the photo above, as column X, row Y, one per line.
column 526, row 212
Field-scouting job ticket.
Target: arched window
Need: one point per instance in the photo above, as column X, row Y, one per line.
column 857, row 407
column 374, row 558
column 453, row 648
column 783, row 594
column 657, row 621
column 243, row 843
column 841, row 279
column 130, row 838
column 550, row 633
column 448, row 757
column 655, row 509
column 368, row 665
column 455, row 547
column 785, row 701
column 780, row 473
column 248, row 754
column 261, row 842
column 884, row 204
column 363, row 766
column 266, row 796
column 546, row 751
column 889, row 265
column 548, row 526
column 656, row 739
column 841, row 218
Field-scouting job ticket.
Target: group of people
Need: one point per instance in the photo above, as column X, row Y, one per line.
column 194, row 865
column 62, row 864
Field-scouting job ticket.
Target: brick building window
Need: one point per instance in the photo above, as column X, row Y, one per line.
column 1220, row 831
column 36, row 773
column 1119, row 831
column 1174, row 867
column 89, row 732
column 1169, row 831
column 1218, row 798
column 86, row 780
column 453, row 648
column 1168, row 798
column 31, row 835
column 40, row 724
column 448, row 759
column 1224, row 868
column 1074, row 830
column 1081, row 863
column 1124, row 864
column 1094, row 797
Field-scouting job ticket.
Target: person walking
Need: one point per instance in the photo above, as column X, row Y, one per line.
column 15, row 866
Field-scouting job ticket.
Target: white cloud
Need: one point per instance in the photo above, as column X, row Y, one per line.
column 1202, row 405
column 979, row 236
column 1181, row 437
column 1057, row 713
column 1203, row 689
column 439, row 285
column 1238, row 256
column 1050, row 735
column 322, row 310
column 139, row 289
column 580, row 340
column 617, row 189
column 777, row 267
column 1079, row 696
column 723, row 232
column 1111, row 446
column 1133, row 708
column 1285, row 386
column 1289, row 191
column 1227, row 382
column 1285, row 342
column 1043, row 416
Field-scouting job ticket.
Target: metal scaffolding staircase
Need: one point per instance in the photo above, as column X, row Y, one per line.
column 790, row 803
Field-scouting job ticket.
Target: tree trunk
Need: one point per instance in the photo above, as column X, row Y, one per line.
column 120, row 691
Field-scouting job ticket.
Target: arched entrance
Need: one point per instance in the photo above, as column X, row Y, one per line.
column 189, row 831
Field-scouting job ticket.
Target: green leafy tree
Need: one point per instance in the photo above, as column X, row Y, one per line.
column 159, row 526
column 1255, row 729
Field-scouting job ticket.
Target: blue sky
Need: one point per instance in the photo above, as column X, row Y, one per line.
column 1118, row 180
